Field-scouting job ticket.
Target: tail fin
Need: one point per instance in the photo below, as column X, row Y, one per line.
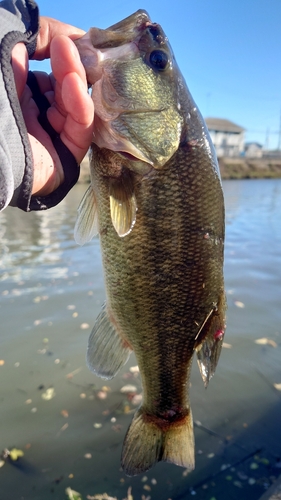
column 148, row 442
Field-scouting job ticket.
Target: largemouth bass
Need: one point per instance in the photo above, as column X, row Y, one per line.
column 156, row 201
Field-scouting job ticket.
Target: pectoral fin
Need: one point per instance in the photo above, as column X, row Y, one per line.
column 123, row 206
column 209, row 342
column 107, row 351
column 86, row 226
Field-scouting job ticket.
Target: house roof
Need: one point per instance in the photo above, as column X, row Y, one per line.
column 222, row 125
column 252, row 144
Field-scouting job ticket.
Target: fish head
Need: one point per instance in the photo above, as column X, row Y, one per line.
column 135, row 89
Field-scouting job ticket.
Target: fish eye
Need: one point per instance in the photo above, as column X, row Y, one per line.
column 158, row 60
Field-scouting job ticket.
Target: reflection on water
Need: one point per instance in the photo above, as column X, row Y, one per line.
column 51, row 290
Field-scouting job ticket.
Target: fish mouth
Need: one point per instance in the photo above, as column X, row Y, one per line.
column 131, row 23
column 119, row 118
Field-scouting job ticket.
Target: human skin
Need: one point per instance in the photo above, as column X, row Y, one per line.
column 71, row 112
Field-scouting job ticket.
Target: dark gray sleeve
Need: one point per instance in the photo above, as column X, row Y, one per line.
column 19, row 22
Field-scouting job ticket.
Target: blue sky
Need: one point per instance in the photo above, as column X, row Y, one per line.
column 229, row 52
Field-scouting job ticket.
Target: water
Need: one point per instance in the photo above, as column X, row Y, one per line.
column 51, row 290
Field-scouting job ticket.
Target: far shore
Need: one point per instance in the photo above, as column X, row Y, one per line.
column 230, row 168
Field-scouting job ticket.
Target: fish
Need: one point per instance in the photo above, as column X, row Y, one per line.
column 156, row 202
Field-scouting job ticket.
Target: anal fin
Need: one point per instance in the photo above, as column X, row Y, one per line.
column 210, row 339
column 107, row 351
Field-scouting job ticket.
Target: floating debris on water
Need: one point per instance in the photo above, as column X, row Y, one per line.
column 238, row 484
column 14, row 454
column 225, row 466
column 134, row 369
column 83, row 395
column 226, row 346
column 84, row 326
column 101, row 394
column 242, row 475
column 72, row 495
column 71, row 374
column 97, row 425
column 266, row 341
column 136, row 399
column 2, row 362
column 64, row 413
column 239, row 304
column 62, row 429
column 251, row 481
column 128, row 388
column 106, row 388
column 42, row 351
column 49, row 394
column 105, row 496
column 88, row 456
column 254, row 466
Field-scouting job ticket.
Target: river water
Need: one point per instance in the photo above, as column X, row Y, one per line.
column 70, row 424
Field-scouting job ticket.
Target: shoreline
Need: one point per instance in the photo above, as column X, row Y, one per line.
column 230, row 168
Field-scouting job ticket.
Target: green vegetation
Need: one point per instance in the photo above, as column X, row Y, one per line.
column 251, row 168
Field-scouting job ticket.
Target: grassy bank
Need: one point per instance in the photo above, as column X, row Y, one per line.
column 250, row 168
column 231, row 168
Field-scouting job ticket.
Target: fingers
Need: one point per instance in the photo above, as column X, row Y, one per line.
column 72, row 114
column 49, row 29
column 20, row 67
column 77, row 132
column 65, row 59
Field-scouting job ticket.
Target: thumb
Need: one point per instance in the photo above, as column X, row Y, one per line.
column 49, row 28
column 20, row 67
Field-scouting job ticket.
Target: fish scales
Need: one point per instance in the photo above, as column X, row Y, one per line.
column 160, row 217
column 168, row 270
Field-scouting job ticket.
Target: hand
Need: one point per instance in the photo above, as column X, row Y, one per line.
column 72, row 110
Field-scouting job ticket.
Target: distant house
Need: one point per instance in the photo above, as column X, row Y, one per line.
column 227, row 137
column 253, row 150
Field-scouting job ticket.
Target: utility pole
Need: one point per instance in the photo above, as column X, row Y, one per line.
column 279, row 140
column 208, row 98
column 266, row 146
